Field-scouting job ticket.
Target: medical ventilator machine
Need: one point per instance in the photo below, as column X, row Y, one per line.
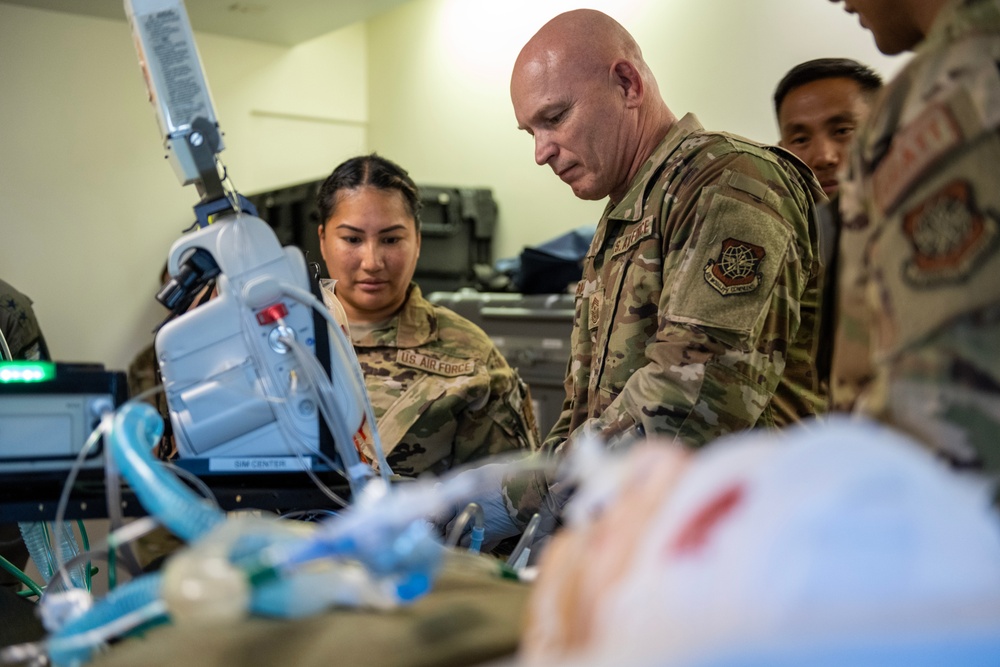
column 244, row 373
column 259, row 378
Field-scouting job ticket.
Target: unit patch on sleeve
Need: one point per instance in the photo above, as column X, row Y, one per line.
column 737, row 269
column 948, row 234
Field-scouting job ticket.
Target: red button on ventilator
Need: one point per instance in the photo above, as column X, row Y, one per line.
column 271, row 314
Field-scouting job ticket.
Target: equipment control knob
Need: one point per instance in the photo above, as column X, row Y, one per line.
column 276, row 333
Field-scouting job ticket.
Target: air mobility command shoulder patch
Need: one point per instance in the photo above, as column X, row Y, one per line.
column 737, row 269
column 949, row 236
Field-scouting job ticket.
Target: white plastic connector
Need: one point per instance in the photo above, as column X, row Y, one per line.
column 261, row 292
column 59, row 608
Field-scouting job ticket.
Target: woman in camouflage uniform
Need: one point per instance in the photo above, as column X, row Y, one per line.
column 442, row 393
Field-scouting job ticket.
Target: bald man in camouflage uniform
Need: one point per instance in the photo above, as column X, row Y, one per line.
column 442, row 393
column 697, row 312
column 696, row 315
column 920, row 286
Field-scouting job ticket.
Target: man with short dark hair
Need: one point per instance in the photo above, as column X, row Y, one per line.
column 819, row 105
column 920, row 292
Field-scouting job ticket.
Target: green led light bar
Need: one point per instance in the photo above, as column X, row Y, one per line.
column 19, row 372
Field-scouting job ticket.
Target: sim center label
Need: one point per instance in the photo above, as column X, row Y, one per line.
column 259, row 464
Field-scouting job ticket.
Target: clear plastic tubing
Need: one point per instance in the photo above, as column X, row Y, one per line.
column 33, row 534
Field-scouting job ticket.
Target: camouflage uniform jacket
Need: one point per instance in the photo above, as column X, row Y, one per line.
column 919, row 279
column 697, row 314
column 442, row 392
column 143, row 373
column 19, row 325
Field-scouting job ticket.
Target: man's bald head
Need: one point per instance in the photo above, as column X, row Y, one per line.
column 581, row 87
column 586, row 38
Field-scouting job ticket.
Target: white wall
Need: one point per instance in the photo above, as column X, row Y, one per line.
column 440, row 71
column 88, row 205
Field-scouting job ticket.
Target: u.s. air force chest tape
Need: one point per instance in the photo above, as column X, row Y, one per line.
column 938, row 255
column 914, row 149
column 444, row 366
column 965, row 115
column 438, row 376
column 726, row 280
column 633, row 235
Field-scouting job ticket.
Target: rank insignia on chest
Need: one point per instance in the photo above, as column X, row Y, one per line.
column 595, row 310
column 737, row 269
column 948, row 234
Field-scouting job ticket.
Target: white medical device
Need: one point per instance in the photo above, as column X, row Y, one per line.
column 240, row 370
column 177, row 88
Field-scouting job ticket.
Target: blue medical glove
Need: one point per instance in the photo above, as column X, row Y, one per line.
column 498, row 524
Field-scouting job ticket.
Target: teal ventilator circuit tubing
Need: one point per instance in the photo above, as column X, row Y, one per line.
column 137, row 427
column 402, row 555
